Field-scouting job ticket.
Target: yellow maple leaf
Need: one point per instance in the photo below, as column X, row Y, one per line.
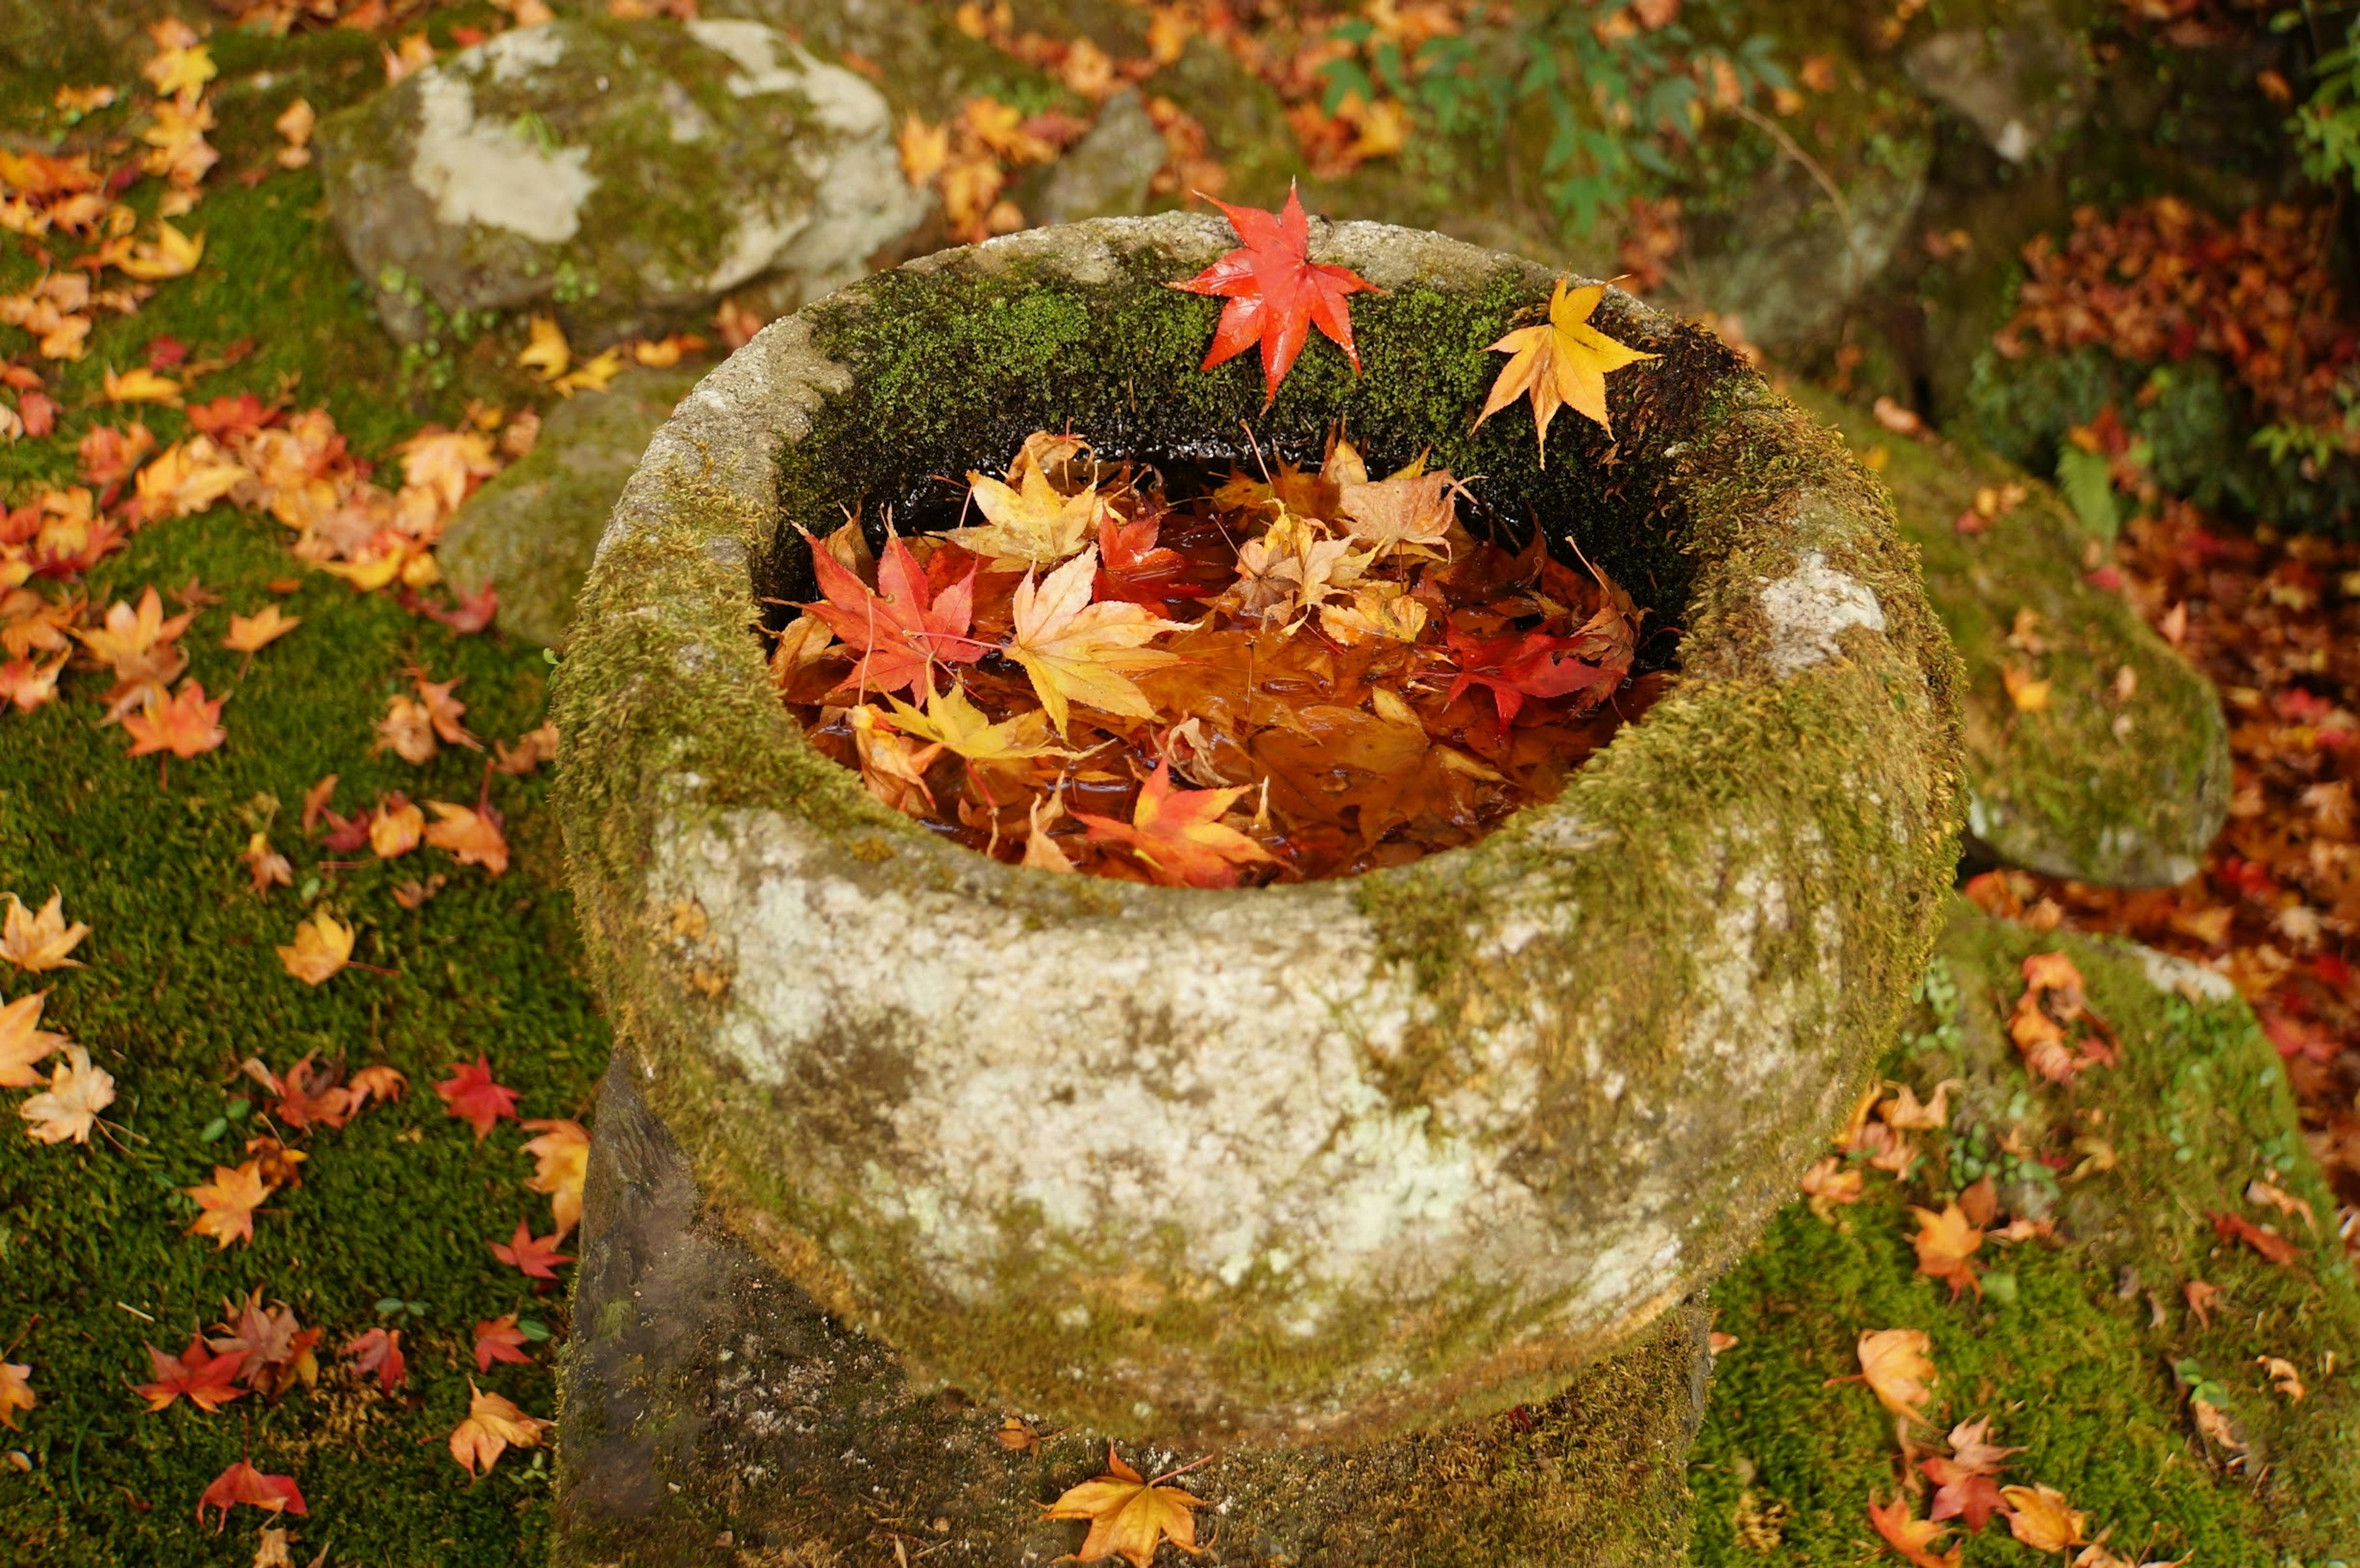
column 1898, row 1371
column 177, row 71
column 186, row 478
column 1129, row 1517
column 1562, row 362
column 562, row 1151
column 23, row 1042
column 174, row 255
column 141, row 385
column 548, row 353
column 69, row 1108
column 39, row 942
column 472, row 837
column 1035, row 525
column 2041, row 1518
column 2025, row 693
column 323, row 944
column 395, row 831
column 15, row 1392
column 249, row 634
column 1077, row 651
column 225, row 1205
column 493, row 1426
column 954, row 723
column 592, row 375
column 924, row 150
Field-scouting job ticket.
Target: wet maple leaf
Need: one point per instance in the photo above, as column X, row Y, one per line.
column 68, row 1109
column 1135, row 568
column 1275, row 293
column 470, row 834
column 1946, row 1244
column 893, row 767
column 206, row 1380
column 1913, row 1538
column 1895, row 1364
column 2272, row 1246
column 23, row 1042
column 1292, row 568
column 900, row 633
column 1178, row 835
column 1032, row 524
column 379, row 1351
column 188, row 725
column 1077, row 651
column 499, row 1339
column 2041, row 1518
column 954, row 723
column 1963, row 1479
column 562, row 1154
column 493, row 1426
column 1521, row 665
column 472, row 1096
column 323, row 947
column 1409, row 512
column 227, row 1204
column 536, row 1257
column 15, row 1392
column 1561, row 363
column 1129, row 1517
column 242, row 1483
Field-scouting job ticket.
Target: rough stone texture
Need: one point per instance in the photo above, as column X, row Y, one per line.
column 1296, row 1163
column 2122, row 790
column 531, row 532
column 2023, row 86
column 628, row 172
column 708, row 1399
column 1104, row 175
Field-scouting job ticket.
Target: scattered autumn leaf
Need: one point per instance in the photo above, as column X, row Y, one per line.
column 536, row 1257
column 265, row 867
column 40, row 941
column 1963, row 1479
column 23, row 1043
column 206, row 1380
column 250, row 634
column 1912, row 1537
column 2040, row 1518
column 493, row 1426
column 1562, row 362
column 1129, row 1517
column 242, row 1483
column 68, row 1109
column 1178, row 834
column 1946, row 1243
column 471, row 1095
column 499, row 1340
column 1898, row 1371
column 323, row 945
column 562, row 1154
column 188, row 725
column 15, row 1392
column 1275, row 293
column 379, row 1351
column 2272, row 1246
column 227, row 1204
column 470, row 834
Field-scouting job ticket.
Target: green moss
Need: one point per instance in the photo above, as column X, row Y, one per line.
column 2074, row 1359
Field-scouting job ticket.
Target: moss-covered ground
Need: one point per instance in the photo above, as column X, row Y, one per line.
column 2071, row 1350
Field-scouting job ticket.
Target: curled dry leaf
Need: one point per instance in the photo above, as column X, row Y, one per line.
column 395, row 827
column 2040, row 1518
column 40, row 941
column 408, row 729
column 2271, row 1247
column 68, row 1109
column 493, row 1426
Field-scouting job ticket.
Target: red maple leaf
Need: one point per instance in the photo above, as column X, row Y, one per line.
column 311, row 1094
column 1519, row 666
column 499, row 1340
column 225, row 418
column 534, row 1256
column 2268, row 1243
column 379, row 1351
column 242, row 1483
column 469, row 613
column 1179, row 835
column 208, row 1380
column 901, row 633
column 1276, row 293
column 474, row 1098
column 1965, row 1476
column 1136, row 570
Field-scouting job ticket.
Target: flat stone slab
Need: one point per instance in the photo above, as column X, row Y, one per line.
column 2120, row 782
column 714, row 1410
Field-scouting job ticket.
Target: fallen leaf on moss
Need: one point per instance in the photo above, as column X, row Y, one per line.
column 1946, row 1246
column 470, row 834
column 378, row 1351
column 68, row 1109
column 250, row 634
column 2026, row 694
column 323, row 945
column 29, row 685
column 1829, row 1182
column 1129, row 1517
column 2272, row 1246
column 395, row 827
column 380, row 1082
column 536, row 1257
column 470, row 1095
column 1913, row 1538
column 562, row 1154
column 2050, row 1015
column 1275, row 293
column 2199, row 1297
column 532, row 748
column 272, row 1548
column 1895, row 1364
column 23, row 1042
column 141, row 385
column 499, row 1340
column 493, row 1426
column 40, row 942
column 592, row 375
column 227, row 1204
column 188, row 725
column 2282, row 1375
column 1966, row 1489
column 408, row 729
column 546, row 353
column 206, row 1380
column 2041, row 1518
column 15, row 1392
column 242, row 1483
column 1561, row 363
column 443, row 711
column 265, row 867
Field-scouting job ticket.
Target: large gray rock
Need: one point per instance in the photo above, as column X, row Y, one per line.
column 1106, row 174
column 531, row 531
column 2023, row 86
column 628, row 173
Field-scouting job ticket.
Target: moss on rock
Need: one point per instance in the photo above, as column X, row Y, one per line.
column 2123, row 779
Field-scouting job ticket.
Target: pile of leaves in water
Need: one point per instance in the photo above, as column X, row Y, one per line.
column 1274, row 677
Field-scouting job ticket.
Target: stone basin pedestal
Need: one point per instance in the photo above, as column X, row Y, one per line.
column 1394, row 1196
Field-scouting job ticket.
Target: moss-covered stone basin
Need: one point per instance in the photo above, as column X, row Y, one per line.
column 1301, row 1162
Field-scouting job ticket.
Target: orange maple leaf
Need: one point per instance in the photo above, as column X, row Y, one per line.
column 242, row 1483
column 493, row 1426
column 23, row 1043
column 1895, row 1364
column 1178, row 835
column 206, row 1380
column 563, row 1152
column 1913, row 1538
column 15, row 1392
column 1129, row 1517
column 499, row 1339
column 1561, row 363
column 323, row 945
column 535, row 1257
column 68, row 1107
column 2041, row 1517
column 1275, row 293
column 36, row 943
column 474, row 1098
column 1946, row 1243
column 471, row 835
column 1966, row 1490
column 187, row 726
column 227, row 1203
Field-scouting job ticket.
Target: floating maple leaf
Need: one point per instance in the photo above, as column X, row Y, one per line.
column 15, row 1392
column 323, row 945
column 474, row 1098
column 1077, row 651
column 471, row 835
column 1129, row 1517
column 1292, row 569
column 1966, row 1490
column 40, row 941
column 1409, row 512
column 1522, row 665
column 499, row 1339
column 379, row 1351
column 227, row 1204
column 562, row 1152
column 1561, row 363
column 1894, row 1365
column 242, row 1483
column 1913, row 1538
column 893, row 767
column 493, row 1426
column 1275, row 293
column 1134, row 568
column 536, row 1257
column 68, row 1109
column 23, row 1042
column 1030, row 523
column 957, row 726
column 206, row 1380
column 1946, row 1243
column 901, row 633
column 2041, row 1518
column 1177, row 833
